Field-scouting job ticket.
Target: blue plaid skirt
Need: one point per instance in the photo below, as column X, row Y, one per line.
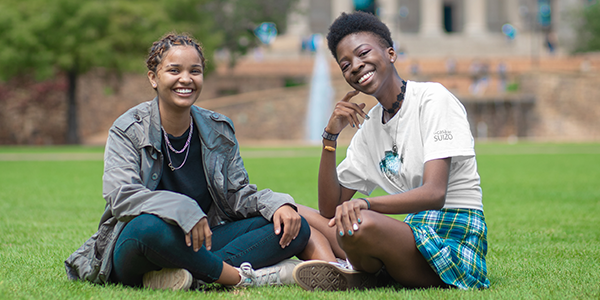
column 454, row 243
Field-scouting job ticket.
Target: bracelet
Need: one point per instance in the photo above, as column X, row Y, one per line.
column 368, row 203
column 329, row 148
column 328, row 136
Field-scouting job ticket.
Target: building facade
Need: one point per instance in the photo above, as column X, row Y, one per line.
column 434, row 28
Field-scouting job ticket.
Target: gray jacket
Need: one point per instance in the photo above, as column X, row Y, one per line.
column 132, row 170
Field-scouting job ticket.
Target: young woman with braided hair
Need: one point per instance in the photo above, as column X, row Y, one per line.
column 417, row 146
column 179, row 207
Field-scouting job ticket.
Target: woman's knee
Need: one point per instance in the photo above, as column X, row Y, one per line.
column 367, row 229
column 304, row 233
column 303, row 236
column 150, row 229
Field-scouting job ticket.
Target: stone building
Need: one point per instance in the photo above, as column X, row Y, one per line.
column 426, row 28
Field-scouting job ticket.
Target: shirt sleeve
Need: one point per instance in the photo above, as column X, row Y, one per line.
column 444, row 126
column 352, row 171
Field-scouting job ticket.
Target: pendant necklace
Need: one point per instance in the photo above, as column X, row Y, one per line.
column 396, row 106
column 391, row 163
column 185, row 148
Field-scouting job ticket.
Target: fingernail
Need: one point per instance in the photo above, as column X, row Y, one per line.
column 350, row 232
column 355, row 227
column 341, row 233
column 359, row 221
column 353, row 126
column 367, row 117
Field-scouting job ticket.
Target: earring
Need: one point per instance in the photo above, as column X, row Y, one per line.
column 392, row 60
column 154, row 85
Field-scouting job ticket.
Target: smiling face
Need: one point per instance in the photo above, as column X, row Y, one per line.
column 366, row 65
column 178, row 78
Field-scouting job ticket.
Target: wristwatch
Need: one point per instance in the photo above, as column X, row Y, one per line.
column 329, row 136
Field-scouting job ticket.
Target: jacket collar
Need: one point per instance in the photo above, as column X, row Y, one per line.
column 155, row 132
column 210, row 126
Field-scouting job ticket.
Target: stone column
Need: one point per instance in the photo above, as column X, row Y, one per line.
column 298, row 20
column 513, row 13
column 340, row 6
column 475, row 23
column 389, row 14
column 431, row 17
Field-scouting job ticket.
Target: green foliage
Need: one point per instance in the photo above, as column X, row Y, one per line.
column 588, row 25
column 43, row 38
column 236, row 20
column 541, row 203
column 49, row 36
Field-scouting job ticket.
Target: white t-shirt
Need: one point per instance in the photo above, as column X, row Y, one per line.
column 431, row 124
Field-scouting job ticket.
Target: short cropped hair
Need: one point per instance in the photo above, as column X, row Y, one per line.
column 355, row 22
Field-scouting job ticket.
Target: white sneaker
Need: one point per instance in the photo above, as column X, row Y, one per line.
column 168, row 279
column 278, row 274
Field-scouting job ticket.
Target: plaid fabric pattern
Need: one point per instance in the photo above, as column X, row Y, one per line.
column 454, row 242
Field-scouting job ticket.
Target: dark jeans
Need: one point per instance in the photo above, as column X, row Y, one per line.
column 147, row 243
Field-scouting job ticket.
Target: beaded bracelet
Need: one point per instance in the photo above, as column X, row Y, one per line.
column 368, row 203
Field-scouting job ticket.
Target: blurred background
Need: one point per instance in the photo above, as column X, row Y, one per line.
column 524, row 69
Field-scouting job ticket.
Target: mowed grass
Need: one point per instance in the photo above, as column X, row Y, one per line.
column 542, row 205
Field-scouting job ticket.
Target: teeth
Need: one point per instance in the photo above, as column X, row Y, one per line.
column 183, row 91
column 365, row 77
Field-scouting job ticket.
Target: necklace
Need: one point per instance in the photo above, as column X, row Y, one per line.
column 399, row 100
column 391, row 111
column 185, row 148
column 391, row 163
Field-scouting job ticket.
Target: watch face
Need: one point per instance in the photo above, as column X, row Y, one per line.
column 329, row 136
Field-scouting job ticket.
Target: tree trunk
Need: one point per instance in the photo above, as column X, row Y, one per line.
column 72, row 127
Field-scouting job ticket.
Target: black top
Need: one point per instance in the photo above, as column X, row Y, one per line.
column 190, row 179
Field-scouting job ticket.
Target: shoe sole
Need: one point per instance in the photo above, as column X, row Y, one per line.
column 321, row 275
column 168, row 279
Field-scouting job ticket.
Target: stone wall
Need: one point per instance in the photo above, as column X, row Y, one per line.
column 567, row 106
column 551, row 105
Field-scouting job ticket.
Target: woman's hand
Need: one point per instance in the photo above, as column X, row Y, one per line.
column 199, row 234
column 348, row 217
column 291, row 221
column 345, row 113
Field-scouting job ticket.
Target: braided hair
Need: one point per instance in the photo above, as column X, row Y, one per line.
column 358, row 21
column 160, row 47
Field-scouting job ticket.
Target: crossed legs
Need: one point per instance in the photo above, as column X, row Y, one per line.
column 380, row 241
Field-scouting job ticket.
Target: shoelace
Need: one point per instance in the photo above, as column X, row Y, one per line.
column 343, row 264
column 265, row 276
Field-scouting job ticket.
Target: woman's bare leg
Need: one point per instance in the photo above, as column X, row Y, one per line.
column 323, row 244
column 229, row 275
column 318, row 247
column 382, row 240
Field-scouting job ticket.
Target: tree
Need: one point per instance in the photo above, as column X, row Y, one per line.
column 69, row 37
column 588, row 33
column 237, row 19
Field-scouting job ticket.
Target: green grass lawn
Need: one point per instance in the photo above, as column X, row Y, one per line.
column 541, row 201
